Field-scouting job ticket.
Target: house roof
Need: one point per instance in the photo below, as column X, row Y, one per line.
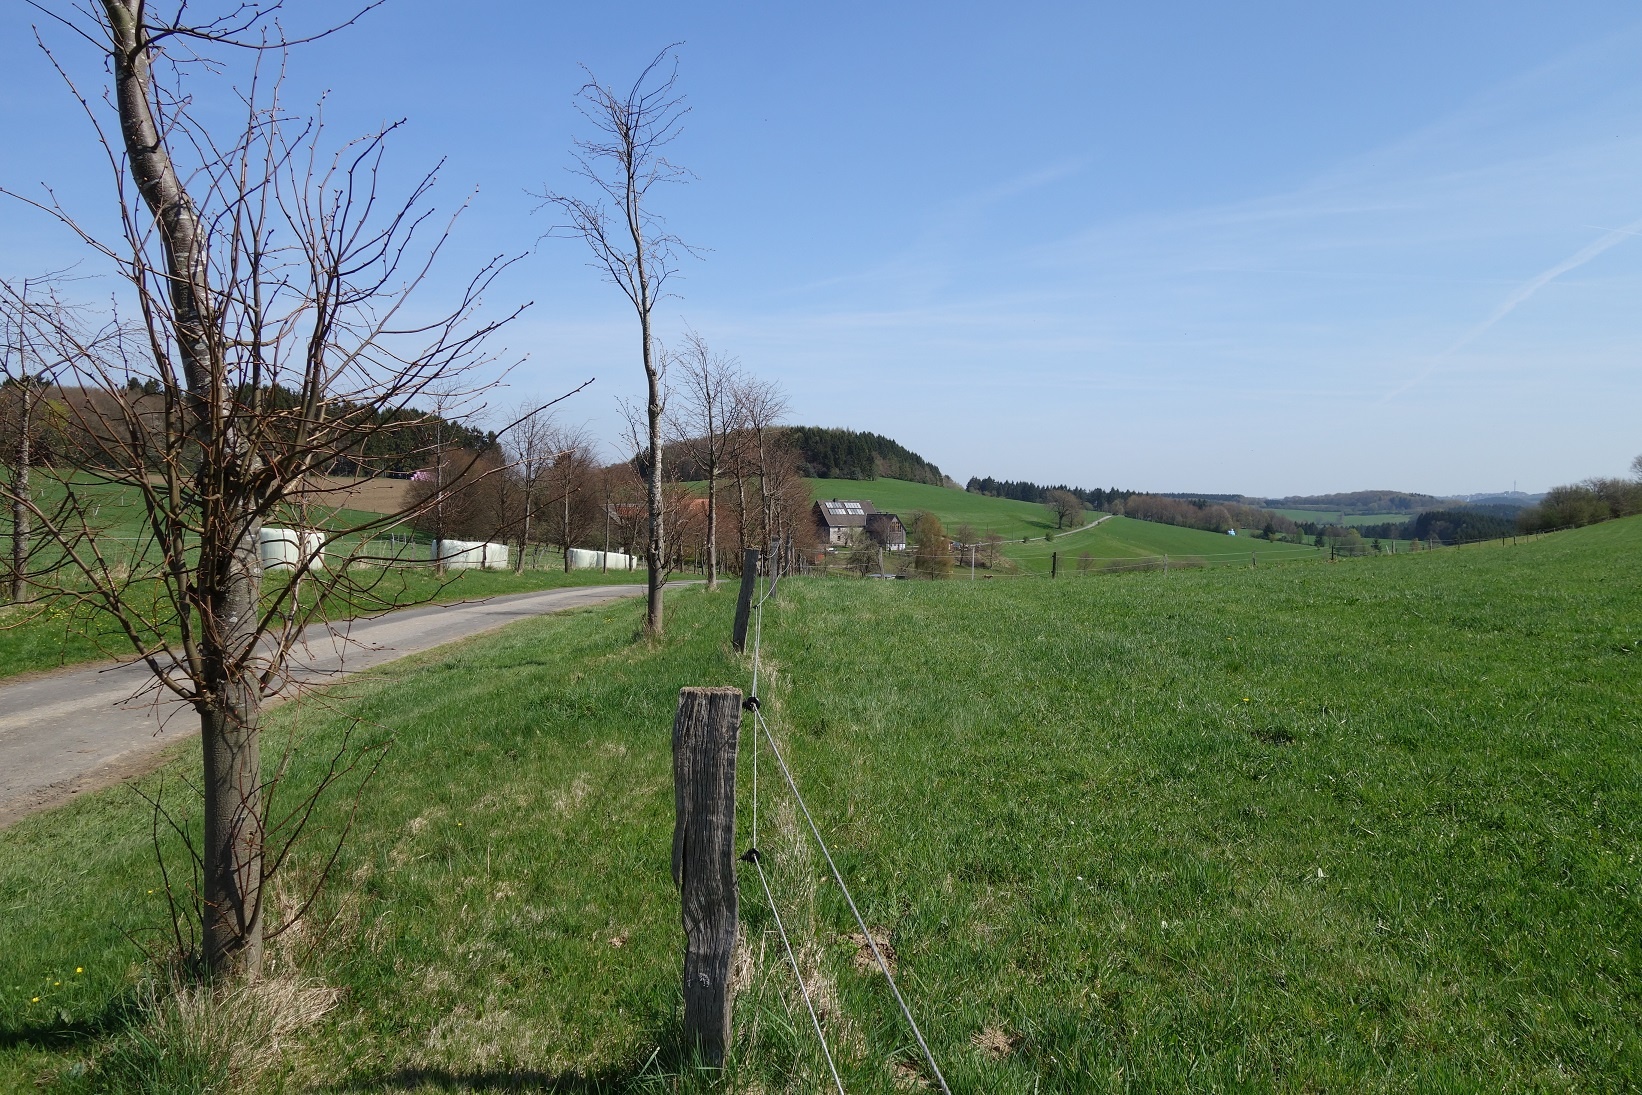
column 838, row 513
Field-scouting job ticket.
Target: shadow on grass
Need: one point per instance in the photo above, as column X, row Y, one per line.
column 435, row 1079
column 50, row 1036
column 116, row 1015
column 671, row 1067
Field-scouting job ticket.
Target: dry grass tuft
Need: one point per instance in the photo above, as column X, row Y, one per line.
column 995, row 1042
column 863, row 957
column 908, row 1077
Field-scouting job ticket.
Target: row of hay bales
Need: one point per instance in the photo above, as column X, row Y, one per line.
column 583, row 559
column 288, row 549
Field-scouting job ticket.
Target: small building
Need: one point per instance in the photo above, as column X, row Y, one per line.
column 886, row 528
column 837, row 520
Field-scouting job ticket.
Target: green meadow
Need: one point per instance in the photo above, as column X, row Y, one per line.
column 1118, row 542
column 1373, row 825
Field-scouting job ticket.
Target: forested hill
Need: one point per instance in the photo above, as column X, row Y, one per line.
column 1362, row 501
column 846, row 454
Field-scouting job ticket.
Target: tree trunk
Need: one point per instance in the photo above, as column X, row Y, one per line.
column 741, row 509
column 230, row 723
column 229, row 574
column 712, row 527
column 20, row 490
column 656, row 578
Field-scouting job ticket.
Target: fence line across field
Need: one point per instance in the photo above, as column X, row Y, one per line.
column 762, row 728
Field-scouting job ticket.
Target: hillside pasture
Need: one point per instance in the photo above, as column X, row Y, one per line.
column 1369, row 826
column 1121, row 541
column 1005, row 516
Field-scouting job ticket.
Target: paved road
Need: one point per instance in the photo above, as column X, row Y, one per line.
column 87, row 728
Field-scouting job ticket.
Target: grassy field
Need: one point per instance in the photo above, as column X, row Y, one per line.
column 1119, row 541
column 1370, row 826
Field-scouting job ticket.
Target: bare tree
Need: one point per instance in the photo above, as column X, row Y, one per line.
column 569, row 485
column 273, row 278
column 30, row 317
column 630, row 243
column 1066, row 506
column 709, row 416
column 760, row 406
column 530, row 450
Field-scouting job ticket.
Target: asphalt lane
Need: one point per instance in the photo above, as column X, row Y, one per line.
column 80, row 729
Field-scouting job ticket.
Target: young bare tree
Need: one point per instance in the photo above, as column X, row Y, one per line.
column 530, row 450
column 759, row 407
column 29, row 319
column 709, row 416
column 630, row 243
column 273, row 277
column 570, row 488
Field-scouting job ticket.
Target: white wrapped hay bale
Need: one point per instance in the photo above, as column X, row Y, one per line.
column 583, row 559
column 287, row 548
column 495, row 557
column 460, row 554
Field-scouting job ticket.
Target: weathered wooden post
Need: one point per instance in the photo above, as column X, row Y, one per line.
column 1054, row 563
column 744, row 599
column 706, row 731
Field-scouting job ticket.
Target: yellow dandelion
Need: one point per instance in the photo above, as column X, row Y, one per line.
column 79, row 969
column 36, row 1000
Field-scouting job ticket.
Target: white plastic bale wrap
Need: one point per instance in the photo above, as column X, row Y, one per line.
column 583, row 559
column 495, row 556
column 460, row 554
column 285, row 548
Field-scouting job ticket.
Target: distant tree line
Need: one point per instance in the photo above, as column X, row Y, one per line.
column 1360, row 501
column 847, row 454
column 1586, row 503
column 1022, row 491
column 1446, row 526
column 1204, row 513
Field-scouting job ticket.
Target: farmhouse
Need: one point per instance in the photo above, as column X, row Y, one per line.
column 838, row 520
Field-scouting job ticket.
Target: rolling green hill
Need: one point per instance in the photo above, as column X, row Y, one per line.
column 1118, row 540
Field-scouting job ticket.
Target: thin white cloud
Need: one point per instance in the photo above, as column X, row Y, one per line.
column 1519, row 296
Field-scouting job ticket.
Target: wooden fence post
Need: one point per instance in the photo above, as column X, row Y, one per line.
column 1054, row 563
column 744, row 599
column 706, row 732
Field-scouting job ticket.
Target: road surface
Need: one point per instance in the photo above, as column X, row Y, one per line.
column 86, row 728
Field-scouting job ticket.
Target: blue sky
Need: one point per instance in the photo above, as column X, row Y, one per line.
column 1261, row 248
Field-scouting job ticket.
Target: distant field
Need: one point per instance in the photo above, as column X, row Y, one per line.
column 1122, row 538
